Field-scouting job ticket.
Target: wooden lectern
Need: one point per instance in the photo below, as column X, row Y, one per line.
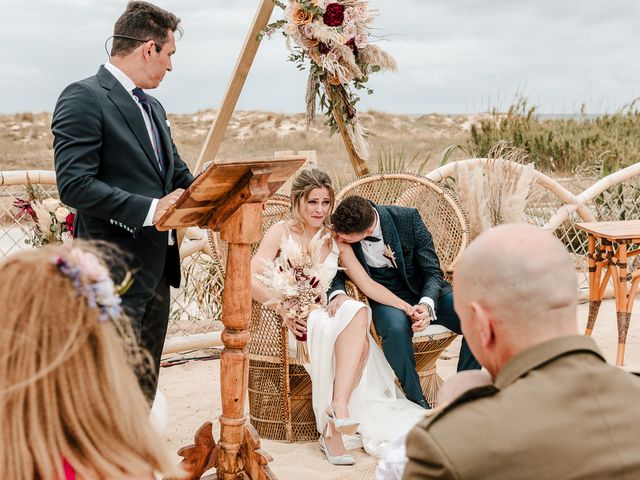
column 228, row 197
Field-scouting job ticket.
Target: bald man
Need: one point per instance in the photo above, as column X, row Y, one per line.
column 556, row 409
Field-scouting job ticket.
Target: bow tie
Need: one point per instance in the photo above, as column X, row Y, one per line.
column 371, row 238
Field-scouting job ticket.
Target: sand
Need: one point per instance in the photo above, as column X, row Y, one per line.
column 192, row 391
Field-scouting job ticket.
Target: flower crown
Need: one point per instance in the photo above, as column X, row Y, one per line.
column 91, row 279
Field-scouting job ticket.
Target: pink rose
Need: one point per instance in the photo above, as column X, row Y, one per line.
column 362, row 40
column 350, row 29
column 349, row 14
column 89, row 265
column 361, row 12
column 307, row 30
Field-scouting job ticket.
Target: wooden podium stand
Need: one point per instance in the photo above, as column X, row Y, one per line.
column 227, row 197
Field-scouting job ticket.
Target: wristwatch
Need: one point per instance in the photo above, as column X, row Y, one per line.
column 430, row 308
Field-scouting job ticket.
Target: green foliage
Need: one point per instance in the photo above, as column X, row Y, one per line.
column 607, row 142
column 390, row 160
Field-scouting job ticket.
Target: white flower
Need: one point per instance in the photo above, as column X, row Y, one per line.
column 291, row 28
column 66, row 238
column 362, row 40
column 61, row 214
column 322, row 4
column 51, row 204
column 105, row 292
column 361, row 12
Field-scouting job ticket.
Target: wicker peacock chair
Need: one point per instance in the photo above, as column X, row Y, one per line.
column 449, row 228
column 279, row 389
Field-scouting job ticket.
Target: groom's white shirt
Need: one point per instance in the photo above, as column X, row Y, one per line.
column 374, row 256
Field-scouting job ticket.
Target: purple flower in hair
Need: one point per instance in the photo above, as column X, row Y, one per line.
column 91, row 279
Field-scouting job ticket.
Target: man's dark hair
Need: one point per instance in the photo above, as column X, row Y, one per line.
column 142, row 21
column 353, row 215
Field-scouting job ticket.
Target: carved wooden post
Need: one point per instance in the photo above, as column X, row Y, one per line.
column 228, row 197
column 239, row 231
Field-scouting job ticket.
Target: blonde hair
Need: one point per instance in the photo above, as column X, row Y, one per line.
column 301, row 187
column 67, row 389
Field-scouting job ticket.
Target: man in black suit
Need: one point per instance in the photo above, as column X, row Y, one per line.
column 395, row 248
column 118, row 166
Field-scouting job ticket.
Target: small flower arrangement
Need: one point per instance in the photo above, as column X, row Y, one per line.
column 294, row 280
column 91, row 279
column 390, row 255
column 53, row 222
column 333, row 35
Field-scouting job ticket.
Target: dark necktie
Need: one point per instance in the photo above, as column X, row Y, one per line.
column 157, row 146
column 371, row 238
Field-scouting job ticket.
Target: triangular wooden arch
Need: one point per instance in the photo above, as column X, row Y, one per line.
column 234, row 88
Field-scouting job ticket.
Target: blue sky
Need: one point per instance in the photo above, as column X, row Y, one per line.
column 456, row 56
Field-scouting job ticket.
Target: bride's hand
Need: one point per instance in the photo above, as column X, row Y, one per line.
column 335, row 304
column 295, row 325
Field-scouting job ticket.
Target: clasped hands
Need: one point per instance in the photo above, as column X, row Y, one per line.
column 420, row 315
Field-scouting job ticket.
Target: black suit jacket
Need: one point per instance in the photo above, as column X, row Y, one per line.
column 106, row 169
column 404, row 231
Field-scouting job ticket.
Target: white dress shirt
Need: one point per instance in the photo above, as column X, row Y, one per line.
column 129, row 85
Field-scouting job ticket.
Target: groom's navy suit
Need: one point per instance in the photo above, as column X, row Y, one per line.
column 106, row 168
column 417, row 275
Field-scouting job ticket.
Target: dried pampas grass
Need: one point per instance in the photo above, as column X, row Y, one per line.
column 373, row 55
column 357, row 134
column 495, row 192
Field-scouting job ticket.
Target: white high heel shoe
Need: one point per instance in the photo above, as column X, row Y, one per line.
column 345, row 459
column 347, row 426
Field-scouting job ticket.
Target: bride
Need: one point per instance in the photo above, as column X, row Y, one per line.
column 353, row 387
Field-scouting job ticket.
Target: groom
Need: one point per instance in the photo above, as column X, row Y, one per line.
column 395, row 248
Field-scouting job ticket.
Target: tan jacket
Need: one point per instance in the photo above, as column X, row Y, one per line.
column 557, row 411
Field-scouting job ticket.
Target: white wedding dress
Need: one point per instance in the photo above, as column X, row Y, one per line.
column 381, row 408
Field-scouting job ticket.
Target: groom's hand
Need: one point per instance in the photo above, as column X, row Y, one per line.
column 335, row 303
column 420, row 317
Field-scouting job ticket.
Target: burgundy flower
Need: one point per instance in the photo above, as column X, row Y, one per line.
column 25, row 208
column 69, row 221
column 352, row 45
column 324, row 48
column 334, row 15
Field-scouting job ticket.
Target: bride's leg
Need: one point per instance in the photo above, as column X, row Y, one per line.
column 363, row 361
column 349, row 351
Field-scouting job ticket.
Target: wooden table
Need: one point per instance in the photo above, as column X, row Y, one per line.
column 609, row 244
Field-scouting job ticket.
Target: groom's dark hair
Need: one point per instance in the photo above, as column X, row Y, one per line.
column 353, row 215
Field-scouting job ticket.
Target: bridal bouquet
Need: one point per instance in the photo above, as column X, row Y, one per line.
column 333, row 35
column 53, row 222
column 294, row 281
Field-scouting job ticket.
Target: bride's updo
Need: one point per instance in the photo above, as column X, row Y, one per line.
column 301, row 187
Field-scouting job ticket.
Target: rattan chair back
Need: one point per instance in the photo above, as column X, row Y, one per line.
column 449, row 227
column 438, row 206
